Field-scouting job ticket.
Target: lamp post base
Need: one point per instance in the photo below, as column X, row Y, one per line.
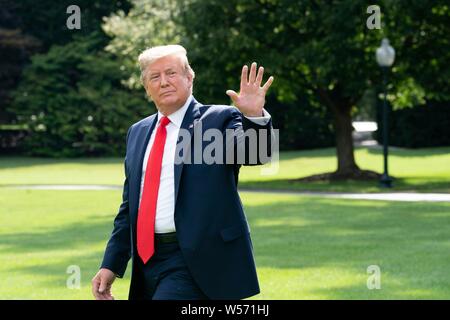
column 385, row 181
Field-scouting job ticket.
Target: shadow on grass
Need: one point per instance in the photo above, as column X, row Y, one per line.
column 410, row 242
column 422, row 184
column 67, row 237
column 412, row 153
column 73, row 240
column 399, row 291
column 12, row 162
column 356, row 225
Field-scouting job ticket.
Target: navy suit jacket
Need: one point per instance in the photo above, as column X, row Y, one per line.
column 211, row 226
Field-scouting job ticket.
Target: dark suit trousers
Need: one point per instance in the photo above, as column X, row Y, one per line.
column 167, row 277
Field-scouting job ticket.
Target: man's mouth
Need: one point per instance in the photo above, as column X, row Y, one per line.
column 166, row 93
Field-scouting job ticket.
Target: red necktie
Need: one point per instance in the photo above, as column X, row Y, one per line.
column 147, row 208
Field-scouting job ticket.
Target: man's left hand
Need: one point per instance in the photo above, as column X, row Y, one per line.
column 251, row 98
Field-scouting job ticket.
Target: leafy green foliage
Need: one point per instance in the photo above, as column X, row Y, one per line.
column 147, row 24
column 81, row 96
column 46, row 19
column 419, row 31
column 74, row 102
column 28, row 27
column 216, row 61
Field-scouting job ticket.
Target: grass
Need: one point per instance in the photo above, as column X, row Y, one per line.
column 305, row 247
column 421, row 170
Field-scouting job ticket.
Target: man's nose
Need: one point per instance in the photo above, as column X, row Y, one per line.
column 164, row 82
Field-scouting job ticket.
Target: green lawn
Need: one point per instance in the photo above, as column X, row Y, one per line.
column 422, row 170
column 305, row 247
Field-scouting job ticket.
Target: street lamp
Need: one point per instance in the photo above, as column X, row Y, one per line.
column 385, row 58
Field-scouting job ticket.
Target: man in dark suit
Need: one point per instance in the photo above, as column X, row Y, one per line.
column 182, row 222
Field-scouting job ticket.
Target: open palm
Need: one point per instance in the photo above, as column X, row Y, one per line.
column 252, row 97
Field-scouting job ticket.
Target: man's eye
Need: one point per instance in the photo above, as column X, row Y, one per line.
column 154, row 78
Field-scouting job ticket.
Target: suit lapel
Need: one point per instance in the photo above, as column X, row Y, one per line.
column 190, row 119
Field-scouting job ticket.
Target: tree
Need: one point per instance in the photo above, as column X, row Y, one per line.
column 422, row 70
column 147, row 24
column 29, row 27
column 318, row 48
column 158, row 22
column 15, row 50
column 71, row 95
column 46, row 19
column 74, row 102
column 321, row 48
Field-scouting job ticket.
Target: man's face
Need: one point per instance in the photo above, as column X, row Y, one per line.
column 168, row 84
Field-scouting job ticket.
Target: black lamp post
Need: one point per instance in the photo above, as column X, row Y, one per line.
column 385, row 58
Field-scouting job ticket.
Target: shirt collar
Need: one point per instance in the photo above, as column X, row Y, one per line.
column 177, row 117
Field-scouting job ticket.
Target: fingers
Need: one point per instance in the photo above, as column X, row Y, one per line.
column 259, row 77
column 104, row 294
column 244, row 73
column 251, row 80
column 268, row 83
column 101, row 288
column 232, row 94
column 252, row 76
column 95, row 285
column 95, row 289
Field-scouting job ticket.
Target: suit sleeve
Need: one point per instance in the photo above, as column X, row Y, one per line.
column 248, row 142
column 118, row 249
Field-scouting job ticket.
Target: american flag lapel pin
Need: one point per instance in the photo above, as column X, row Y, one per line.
column 193, row 124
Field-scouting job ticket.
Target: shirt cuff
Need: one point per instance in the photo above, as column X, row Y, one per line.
column 262, row 121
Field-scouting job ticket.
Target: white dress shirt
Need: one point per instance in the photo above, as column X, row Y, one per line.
column 165, row 206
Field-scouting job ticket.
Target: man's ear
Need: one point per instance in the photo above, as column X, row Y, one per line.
column 146, row 91
column 149, row 97
column 190, row 80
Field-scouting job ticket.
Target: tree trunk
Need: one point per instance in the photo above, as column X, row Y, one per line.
column 347, row 168
column 344, row 141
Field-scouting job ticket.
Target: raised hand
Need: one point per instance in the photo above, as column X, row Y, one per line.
column 251, row 98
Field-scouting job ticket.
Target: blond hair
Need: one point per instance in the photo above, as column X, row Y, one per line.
column 150, row 55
